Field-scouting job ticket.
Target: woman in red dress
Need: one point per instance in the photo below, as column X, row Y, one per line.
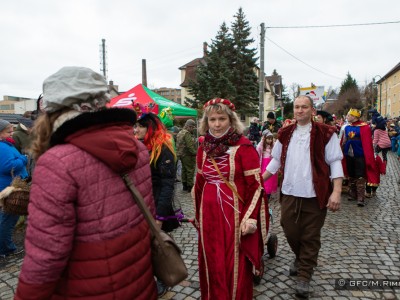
column 229, row 204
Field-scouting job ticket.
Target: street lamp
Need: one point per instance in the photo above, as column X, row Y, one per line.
column 380, row 91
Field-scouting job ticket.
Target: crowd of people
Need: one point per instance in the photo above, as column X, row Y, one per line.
column 87, row 238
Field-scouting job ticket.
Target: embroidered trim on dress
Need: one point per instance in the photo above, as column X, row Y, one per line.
column 202, row 243
column 263, row 221
column 237, row 227
column 254, row 201
column 252, row 172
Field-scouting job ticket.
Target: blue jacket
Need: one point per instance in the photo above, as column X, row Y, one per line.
column 11, row 160
column 398, row 145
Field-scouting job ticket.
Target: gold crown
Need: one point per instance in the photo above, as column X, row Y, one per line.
column 355, row 112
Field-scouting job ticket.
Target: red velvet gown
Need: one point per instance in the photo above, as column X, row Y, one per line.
column 226, row 258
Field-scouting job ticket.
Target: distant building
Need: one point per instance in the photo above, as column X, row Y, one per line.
column 170, row 94
column 188, row 74
column 113, row 89
column 272, row 94
column 17, row 105
column 330, row 99
column 389, row 97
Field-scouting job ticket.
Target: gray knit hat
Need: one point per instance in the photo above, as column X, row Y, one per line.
column 3, row 124
column 73, row 87
column 266, row 133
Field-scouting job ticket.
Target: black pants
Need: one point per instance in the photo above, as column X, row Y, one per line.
column 384, row 152
column 355, row 166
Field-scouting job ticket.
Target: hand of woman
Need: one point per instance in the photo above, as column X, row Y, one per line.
column 159, row 223
column 249, row 227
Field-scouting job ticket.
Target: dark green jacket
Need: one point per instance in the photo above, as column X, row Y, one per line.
column 185, row 144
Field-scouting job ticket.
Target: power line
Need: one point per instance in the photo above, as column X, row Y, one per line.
column 337, row 25
column 303, row 61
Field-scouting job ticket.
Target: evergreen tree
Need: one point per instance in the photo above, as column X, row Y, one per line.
column 220, row 64
column 348, row 84
column 229, row 69
column 244, row 66
column 214, row 79
column 349, row 96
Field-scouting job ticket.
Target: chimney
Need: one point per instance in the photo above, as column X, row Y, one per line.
column 144, row 73
column 204, row 49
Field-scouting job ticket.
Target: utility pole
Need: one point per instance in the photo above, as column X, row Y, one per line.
column 103, row 64
column 262, row 77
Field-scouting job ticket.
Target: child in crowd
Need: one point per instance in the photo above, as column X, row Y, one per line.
column 264, row 149
column 381, row 140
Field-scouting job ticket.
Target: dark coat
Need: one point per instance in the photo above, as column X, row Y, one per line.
column 86, row 237
column 254, row 132
column 274, row 128
column 163, row 175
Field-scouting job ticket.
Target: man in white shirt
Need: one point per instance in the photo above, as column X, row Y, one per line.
column 309, row 156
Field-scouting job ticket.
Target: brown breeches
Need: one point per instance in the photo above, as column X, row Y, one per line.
column 302, row 220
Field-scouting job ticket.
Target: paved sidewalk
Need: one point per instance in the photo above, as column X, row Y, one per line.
column 357, row 243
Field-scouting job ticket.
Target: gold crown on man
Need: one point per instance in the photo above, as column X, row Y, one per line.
column 355, row 112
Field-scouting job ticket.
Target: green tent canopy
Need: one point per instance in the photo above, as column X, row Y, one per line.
column 144, row 96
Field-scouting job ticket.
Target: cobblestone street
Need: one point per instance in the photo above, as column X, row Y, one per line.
column 357, row 243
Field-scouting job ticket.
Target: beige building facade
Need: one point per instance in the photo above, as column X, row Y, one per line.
column 389, row 93
column 17, row 105
column 170, row 93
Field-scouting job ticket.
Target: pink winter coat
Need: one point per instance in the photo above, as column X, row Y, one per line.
column 86, row 238
column 381, row 138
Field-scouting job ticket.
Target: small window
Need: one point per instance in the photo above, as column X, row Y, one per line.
column 242, row 118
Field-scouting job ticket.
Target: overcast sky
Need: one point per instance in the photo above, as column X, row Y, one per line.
column 39, row 37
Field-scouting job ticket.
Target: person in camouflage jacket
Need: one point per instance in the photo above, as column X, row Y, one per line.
column 186, row 151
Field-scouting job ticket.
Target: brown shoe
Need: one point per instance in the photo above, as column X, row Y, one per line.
column 352, row 190
column 368, row 195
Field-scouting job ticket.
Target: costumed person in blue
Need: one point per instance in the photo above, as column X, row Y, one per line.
column 359, row 156
column 12, row 164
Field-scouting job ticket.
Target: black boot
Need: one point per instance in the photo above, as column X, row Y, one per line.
column 184, row 186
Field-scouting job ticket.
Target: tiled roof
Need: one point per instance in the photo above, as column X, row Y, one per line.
column 194, row 63
column 332, row 96
column 190, row 75
column 388, row 74
column 190, row 68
